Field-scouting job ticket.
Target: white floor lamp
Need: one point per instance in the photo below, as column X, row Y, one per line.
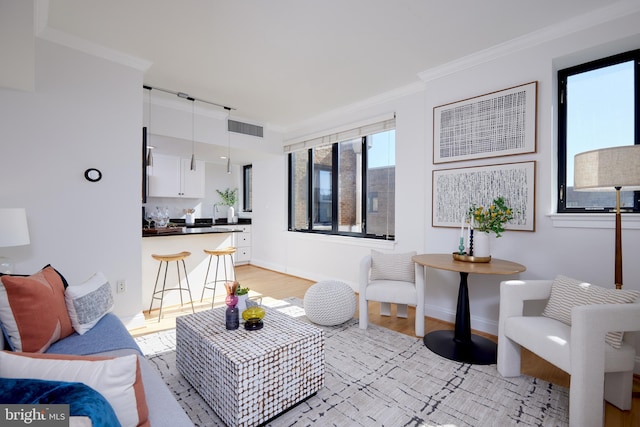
column 609, row 169
column 13, row 232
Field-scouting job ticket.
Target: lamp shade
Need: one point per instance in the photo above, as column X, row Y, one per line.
column 607, row 168
column 13, row 227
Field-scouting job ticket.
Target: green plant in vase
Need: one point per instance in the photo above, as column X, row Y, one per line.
column 243, row 296
column 229, row 198
column 242, row 291
column 485, row 221
column 491, row 219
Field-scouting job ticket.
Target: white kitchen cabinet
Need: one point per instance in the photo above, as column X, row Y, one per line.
column 171, row 176
column 192, row 181
column 243, row 244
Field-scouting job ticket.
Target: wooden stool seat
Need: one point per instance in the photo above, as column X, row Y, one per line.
column 219, row 252
column 173, row 257
column 224, row 253
column 167, row 259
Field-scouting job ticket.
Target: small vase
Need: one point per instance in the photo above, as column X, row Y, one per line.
column 232, row 314
column 242, row 302
column 230, row 214
column 189, row 219
column 481, row 244
column 232, row 318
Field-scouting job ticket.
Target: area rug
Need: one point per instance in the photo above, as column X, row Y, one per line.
column 378, row 377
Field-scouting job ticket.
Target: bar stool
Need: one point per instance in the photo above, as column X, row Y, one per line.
column 166, row 259
column 218, row 253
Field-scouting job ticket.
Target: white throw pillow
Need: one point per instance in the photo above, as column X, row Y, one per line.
column 113, row 378
column 567, row 293
column 392, row 266
column 88, row 302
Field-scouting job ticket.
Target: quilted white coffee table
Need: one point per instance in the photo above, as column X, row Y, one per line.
column 249, row 377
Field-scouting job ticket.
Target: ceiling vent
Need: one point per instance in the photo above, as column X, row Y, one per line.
column 245, row 128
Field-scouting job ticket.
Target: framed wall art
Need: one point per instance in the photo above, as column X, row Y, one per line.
column 455, row 190
column 500, row 123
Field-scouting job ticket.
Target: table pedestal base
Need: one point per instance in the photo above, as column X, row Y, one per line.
column 478, row 351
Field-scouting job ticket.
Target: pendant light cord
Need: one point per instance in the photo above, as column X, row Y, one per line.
column 228, row 141
column 193, row 133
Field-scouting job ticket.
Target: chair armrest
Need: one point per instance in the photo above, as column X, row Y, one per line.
column 420, row 283
column 597, row 319
column 513, row 294
column 363, row 278
column 589, row 325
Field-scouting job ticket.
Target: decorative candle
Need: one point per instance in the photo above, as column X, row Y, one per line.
column 461, row 243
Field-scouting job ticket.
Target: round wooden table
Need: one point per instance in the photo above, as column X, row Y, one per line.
column 460, row 344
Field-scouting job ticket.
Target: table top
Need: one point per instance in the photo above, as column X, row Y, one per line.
column 446, row 262
column 280, row 329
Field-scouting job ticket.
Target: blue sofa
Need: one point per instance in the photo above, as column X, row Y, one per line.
column 109, row 337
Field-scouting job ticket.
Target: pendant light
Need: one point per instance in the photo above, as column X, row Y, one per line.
column 193, row 140
column 149, row 148
column 228, row 141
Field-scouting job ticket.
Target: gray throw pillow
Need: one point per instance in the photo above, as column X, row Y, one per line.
column 567, row 293
column 88, row 302
column 392, row 266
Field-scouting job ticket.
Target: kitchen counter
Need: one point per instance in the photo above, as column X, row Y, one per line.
column 201, row 226
column 181, row 231
column 193, row 240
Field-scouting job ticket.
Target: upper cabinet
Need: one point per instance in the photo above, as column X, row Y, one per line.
column 172, row 176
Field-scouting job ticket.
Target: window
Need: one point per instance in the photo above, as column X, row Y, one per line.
column 599, row 107
column 247, row 187
column 346, row 187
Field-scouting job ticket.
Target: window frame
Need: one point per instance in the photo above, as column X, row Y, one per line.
column 334, row 230
column 563, row 76
column 247, row 188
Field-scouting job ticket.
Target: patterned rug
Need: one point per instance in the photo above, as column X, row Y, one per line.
column 378, row 377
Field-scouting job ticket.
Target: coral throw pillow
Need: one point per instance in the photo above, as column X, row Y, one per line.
column 33, row 310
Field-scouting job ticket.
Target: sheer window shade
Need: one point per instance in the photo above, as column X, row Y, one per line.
column 382, row 124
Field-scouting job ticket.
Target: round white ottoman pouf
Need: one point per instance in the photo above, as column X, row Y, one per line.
column 330, row 303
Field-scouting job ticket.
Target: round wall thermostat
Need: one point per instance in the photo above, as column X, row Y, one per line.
column 93, row 175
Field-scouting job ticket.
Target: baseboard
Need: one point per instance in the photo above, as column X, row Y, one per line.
column 133, row 322
column 303, row 274
column 477, row 323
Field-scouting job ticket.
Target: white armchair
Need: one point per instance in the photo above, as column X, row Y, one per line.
column 387, row 292
column 598, row 370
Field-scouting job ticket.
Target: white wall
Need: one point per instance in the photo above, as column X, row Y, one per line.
column 85, row 112
column 17, row 19
column 583, row 252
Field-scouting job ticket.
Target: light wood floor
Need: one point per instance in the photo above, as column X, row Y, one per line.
column 276, row 285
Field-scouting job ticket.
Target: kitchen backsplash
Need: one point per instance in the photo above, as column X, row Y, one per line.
column 201, row 209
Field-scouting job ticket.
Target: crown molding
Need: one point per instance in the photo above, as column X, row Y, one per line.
column 573, row 25
column 73, row 42
column 339, row 113
column 44, row 32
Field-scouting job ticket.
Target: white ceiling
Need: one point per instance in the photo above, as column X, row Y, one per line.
column 283, row 62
